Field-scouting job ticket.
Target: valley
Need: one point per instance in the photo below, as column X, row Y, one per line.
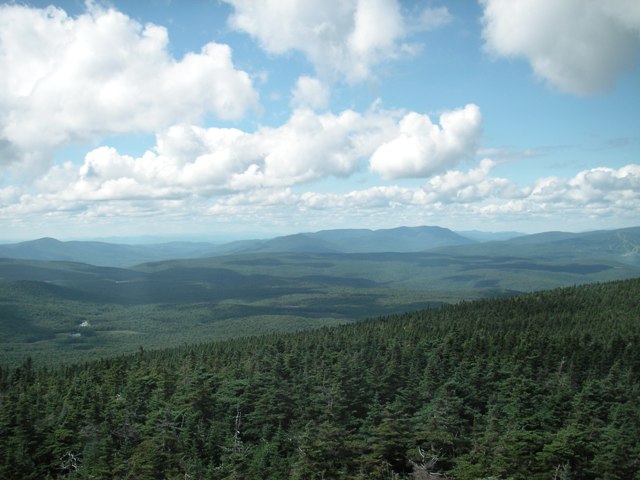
column 533, row 386
column 44, row 303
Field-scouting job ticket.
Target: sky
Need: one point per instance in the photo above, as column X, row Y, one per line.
column 225, row 119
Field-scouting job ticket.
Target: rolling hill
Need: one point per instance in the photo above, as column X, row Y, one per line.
column 622, row 245
column 171, row 302
column 402, row 239
column 101, row 253
column 538, row 386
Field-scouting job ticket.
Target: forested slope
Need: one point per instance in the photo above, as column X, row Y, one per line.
column 539, row 386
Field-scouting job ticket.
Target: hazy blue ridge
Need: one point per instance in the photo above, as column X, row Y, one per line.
column 481, row 236
column 101, row 253
column 402, row 239
column 622, row 245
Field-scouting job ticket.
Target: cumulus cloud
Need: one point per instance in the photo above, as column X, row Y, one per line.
column 577, row 46
column 109, row 184
column 474, row 196
column 310, row 93
column 596, row 193
column 340, row 38
column 371, row 198
column 422, row 148
column 474, row 185
column 264, row 174
column 190, row 161
column 67, row 79
column 311, row 146
column 597, row 185
column 308, row 147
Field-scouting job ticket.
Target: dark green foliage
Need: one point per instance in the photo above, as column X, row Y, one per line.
column 63, row 312
column 539, row 386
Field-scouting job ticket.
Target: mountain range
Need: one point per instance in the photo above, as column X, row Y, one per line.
column 621, row 245
column 155, row 295
column 402, row 239
column 101, row 253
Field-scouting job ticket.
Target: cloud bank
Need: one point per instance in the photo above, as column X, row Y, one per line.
column 308, row 147
column 67, row 79
column 100, row 191
column 310, row 93
column 81, row 79
column 343, row 39
column 576, row 46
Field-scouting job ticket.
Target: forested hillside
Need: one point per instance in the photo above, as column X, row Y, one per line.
column 540, row 386
column 66, row 312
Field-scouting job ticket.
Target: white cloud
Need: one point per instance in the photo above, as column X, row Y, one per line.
column 310, row 93
column 598, row 185
column 475, row 186
column 343, row 38
column 261, row 175
column 471, row 198
column 190, row 161
column 472, row 186
column 9, row 195
column 66, row 79
column 598, row 192
column 432, row 18
column 577, row 46
column 377, row 26
column 110, row 185
column 370, row 198
column 308, row 147
column 603, row 193
column 422, row 148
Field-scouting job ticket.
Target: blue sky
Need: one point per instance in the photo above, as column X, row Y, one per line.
column 238, row 118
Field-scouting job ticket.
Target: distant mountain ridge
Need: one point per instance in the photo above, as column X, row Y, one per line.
column 43, row 302
column 401, row 239
column 396, row 240
column 101, row 253
column 622, row 245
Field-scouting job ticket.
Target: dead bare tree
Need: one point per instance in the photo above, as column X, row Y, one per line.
column 423, row 469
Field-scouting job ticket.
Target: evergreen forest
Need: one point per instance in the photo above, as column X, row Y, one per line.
column 543, row 385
